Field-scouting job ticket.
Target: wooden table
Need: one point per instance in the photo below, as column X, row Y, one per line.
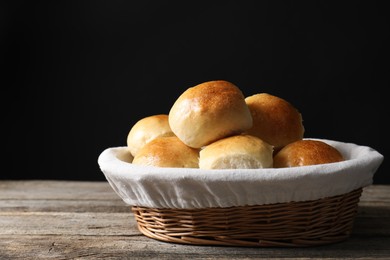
column 87, row 220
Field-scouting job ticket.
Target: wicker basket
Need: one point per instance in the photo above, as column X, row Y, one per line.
column 290, row 207
column 293, row 224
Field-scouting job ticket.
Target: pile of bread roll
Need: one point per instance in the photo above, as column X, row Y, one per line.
column 214, row 126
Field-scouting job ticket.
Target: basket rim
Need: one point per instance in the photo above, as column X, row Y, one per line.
column 194, row 188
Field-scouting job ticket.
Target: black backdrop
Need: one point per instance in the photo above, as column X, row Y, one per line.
column 79, row 74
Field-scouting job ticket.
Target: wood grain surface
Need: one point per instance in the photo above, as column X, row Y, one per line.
column 87, row 220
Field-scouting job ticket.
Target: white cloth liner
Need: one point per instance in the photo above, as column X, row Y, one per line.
column 185, row 188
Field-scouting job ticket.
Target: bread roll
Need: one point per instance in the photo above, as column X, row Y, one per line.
column 145, row 130
column 209, row 111
column 306, row 152
column 125, row 156
column 237, row 152
column 167, row 151
column 275, row 120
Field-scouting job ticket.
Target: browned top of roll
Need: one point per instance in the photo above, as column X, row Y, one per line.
column 145, row 130
column 167, row 151
column 275, row 120
column 209, row 111
column 306, row 152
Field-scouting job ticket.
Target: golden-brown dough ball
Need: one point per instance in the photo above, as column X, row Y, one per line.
column 145, row 130
column 306, row 152
column 209, row 111
column 275, row 120
column 167, row 151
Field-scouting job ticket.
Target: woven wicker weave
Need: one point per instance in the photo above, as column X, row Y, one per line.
column 293, row 224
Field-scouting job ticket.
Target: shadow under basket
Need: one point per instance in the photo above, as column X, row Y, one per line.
column 294, row 224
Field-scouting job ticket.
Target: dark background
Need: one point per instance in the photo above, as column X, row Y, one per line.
column 76, row 75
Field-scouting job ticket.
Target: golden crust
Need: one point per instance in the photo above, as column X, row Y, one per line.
column 167, row 151
column 209, row 111
column 275, row 120
column 306, row 152
column 145, row 130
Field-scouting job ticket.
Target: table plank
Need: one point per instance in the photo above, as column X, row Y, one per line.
column 53, row 190
column 70, row 219
column 134, row 247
